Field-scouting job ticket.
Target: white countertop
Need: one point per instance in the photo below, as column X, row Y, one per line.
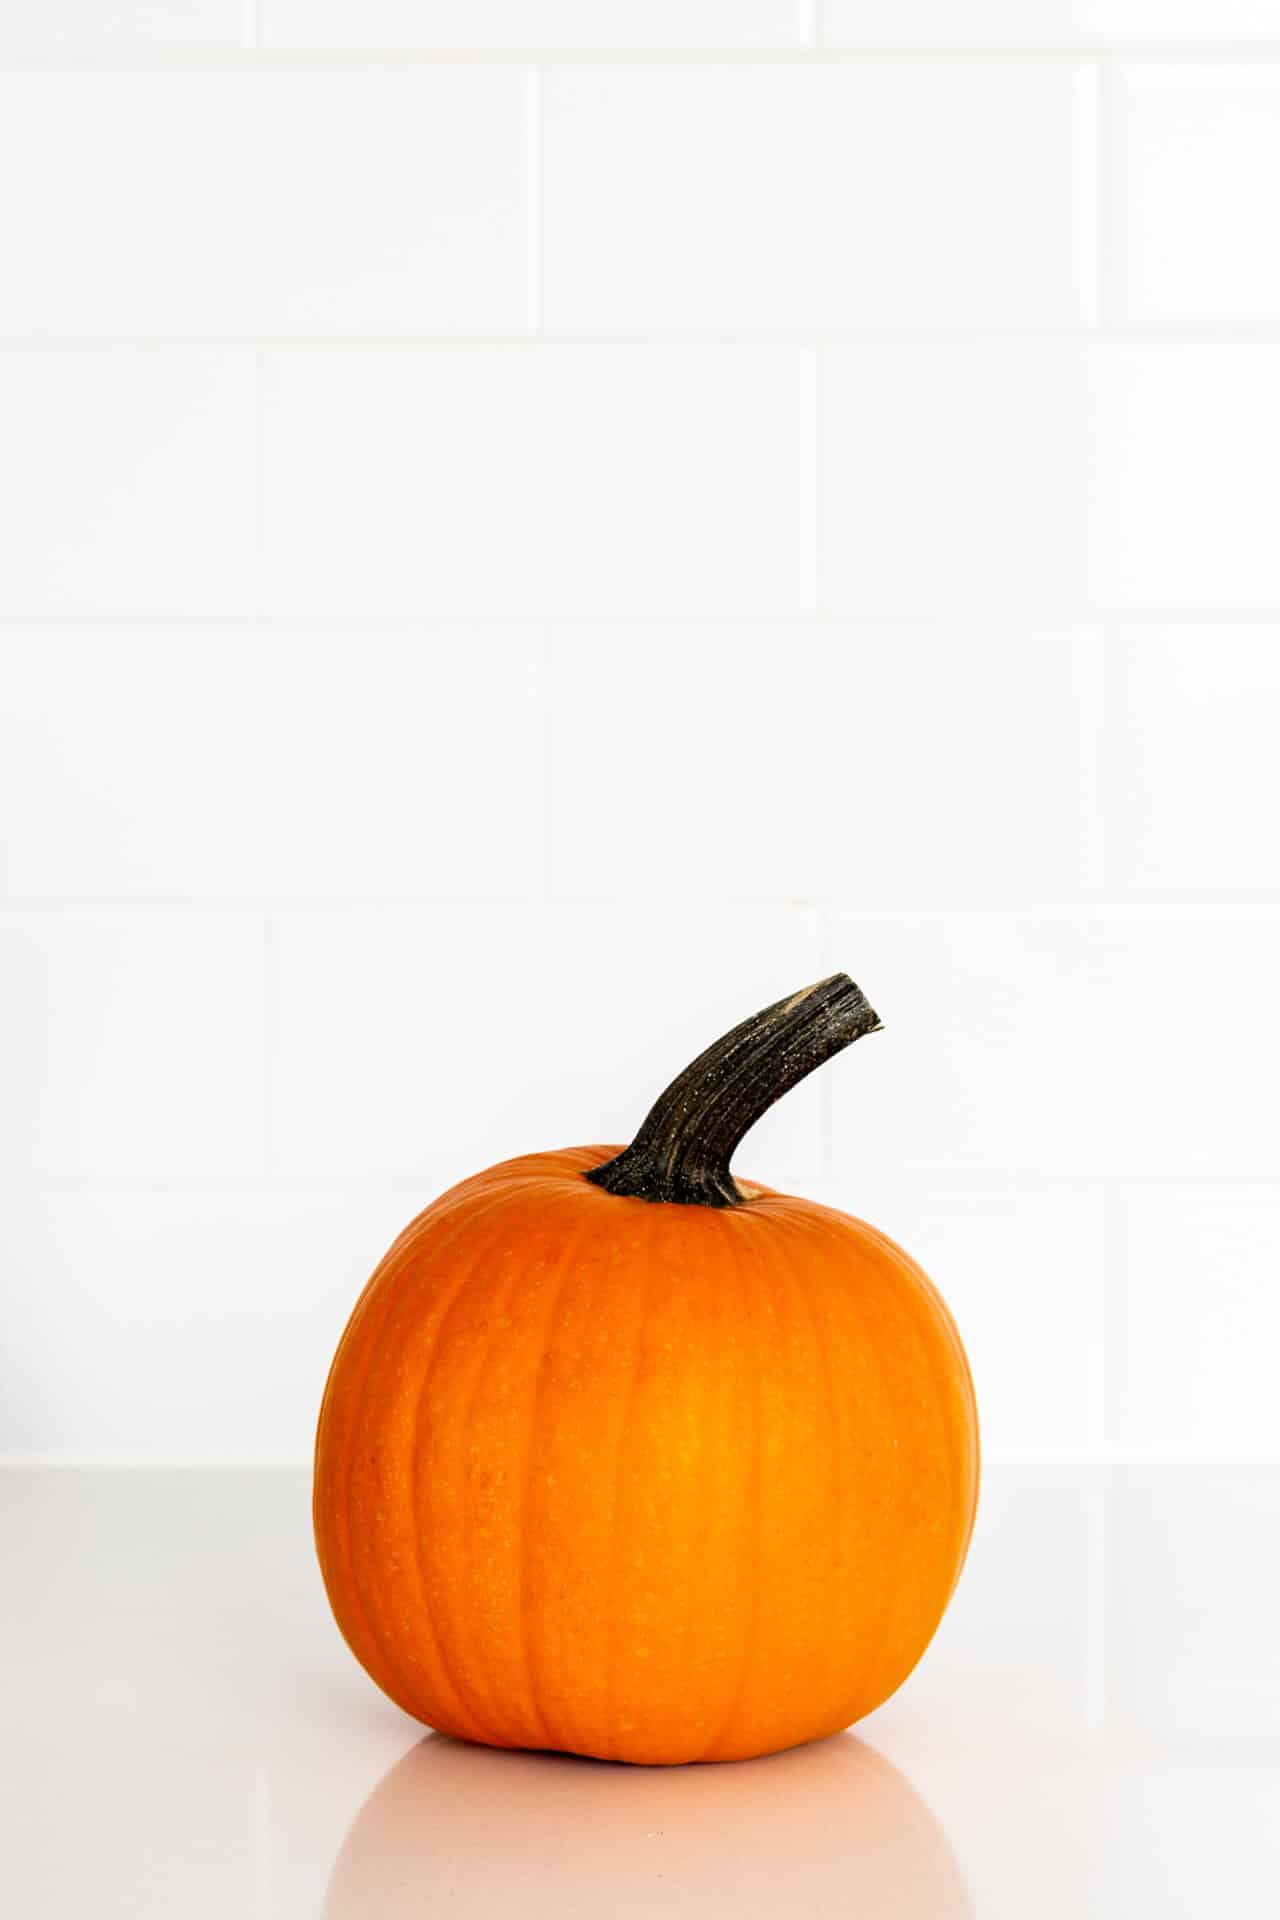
column 1095, row 1731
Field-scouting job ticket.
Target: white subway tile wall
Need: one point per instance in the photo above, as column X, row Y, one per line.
column 127, row 482
column 525, row 480
column 994, row 24
column 1197, row 156
column 246, row 204
column 761, row 202
column 134, row 1044
column 1189, row 1374
column 529, row 528
column 466, row 26
column 955, row 477
column 1195, row 718
column 1003, row 1250
column 260, row 759
column 1072, row 1044
column 239, row 1285
column 892, row 785
column 1185, row 477
column 77, row 28
column 493, row 1030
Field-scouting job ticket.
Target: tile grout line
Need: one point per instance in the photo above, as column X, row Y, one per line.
column 1249, row 909
column 270, row 1030
column 1111, row 796
column 257, row 596
column 1115, row 1286
column 1107, row 202
column 248, row 57
column 1095, row 214
column 546, row 648
column 819, row 483
column 446, row 622
column 947, row 1179
column 535, row 207
column 1188, row 336
column 1093, row 689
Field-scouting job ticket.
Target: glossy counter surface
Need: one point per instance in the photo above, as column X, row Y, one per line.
column 1094, row 1732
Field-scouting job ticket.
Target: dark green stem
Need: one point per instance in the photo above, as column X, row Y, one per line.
column 683, row 1150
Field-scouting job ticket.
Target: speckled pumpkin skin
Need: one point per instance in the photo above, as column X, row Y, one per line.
column 654, row 1483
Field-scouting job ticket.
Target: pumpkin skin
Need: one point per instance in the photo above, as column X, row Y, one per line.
column 648, row 1482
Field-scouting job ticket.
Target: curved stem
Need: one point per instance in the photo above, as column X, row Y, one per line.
column 682, row 1151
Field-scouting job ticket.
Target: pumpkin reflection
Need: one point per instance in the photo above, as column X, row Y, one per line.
column 831, row 1828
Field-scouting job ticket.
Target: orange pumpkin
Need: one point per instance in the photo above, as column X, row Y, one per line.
column 622, row 1457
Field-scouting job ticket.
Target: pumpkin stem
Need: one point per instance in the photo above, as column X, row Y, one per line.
column 682, row 1151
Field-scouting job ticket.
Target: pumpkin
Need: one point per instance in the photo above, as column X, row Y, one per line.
column 625, row 1457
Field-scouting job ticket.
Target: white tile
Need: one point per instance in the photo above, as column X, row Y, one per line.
column 896, row 194
column 1061, row 1045
column 493, row 1031
column 180, row 1325
column 868, row 765
column 86, row 26
column 519, row 480
column 999, row 473
column 1197, row 155
column 954, row 476
column 1185, row 487
column 241, row 764
column 531, row 24
column 1022, row 1272
column 133, row 1043
column 1049, row 23
column 126, row 481
column 1197, row 1322
column 379, row 200
column 1195, row 714
column 1193, row 1595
